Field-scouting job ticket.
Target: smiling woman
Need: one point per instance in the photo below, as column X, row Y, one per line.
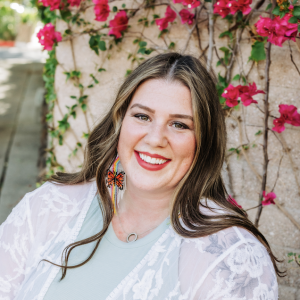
column 148, row 216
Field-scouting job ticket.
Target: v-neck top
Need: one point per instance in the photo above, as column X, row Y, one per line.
column 112, row 261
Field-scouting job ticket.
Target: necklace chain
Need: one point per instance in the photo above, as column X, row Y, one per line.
column 133, row 233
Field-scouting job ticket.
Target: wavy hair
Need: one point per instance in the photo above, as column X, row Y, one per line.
column 203, row 179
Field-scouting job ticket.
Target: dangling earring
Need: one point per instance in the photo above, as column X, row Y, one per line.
column 116, row 182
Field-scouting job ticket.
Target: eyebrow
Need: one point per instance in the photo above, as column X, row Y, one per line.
column 180, row 116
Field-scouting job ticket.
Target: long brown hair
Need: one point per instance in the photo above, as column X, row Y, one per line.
column 203, row 180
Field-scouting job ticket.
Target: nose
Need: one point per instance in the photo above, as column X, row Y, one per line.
column 156, row 136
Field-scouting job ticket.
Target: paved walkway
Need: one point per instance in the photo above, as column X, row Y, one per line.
column 21, row 99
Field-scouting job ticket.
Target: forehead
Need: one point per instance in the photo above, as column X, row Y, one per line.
column 160, row 94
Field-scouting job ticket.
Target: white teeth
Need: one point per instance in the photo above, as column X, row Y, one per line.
column 152, row 160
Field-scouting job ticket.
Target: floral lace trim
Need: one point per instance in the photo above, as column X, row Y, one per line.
column 134, row 272
column 72, row 238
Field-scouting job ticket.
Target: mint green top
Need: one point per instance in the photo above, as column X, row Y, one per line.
column 110, row 264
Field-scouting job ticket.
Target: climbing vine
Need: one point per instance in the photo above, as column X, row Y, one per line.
column 262, row 24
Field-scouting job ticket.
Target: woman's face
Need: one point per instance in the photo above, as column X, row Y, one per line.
column 157, row 140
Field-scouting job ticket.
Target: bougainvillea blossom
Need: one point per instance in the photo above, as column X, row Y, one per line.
column 188, row 3
column 233, row 201
column 48, row 36
column 101, row 10
column 268, row 199
column 247, row 93
column 54, row 4
column 289, row 115
column 231, row 94
column 170, row 16
column 118, row 24
column 277, row 30
column 240, row 5
column 221, row 8
column 74, row 2
column 186, row 16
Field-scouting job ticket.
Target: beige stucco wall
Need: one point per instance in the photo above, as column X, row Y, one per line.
column 284, row 88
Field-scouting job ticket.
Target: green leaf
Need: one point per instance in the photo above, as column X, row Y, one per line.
column 79, row 144
column 115, row 9
column 102, row 45
column 148, row 51
column 258, row 51
column 68, row 31
column 293, row 20
column 128, row 72
column 207, row 0
column 290, row 254
column 281, row 14
column 259, row 132
column 295, row 1
column 236, row 77
column 226, row 33
column 163, row 32
column 65, row 15
column 136, row 41
column 290, row 260
column 172, row 45
column 93, row 42
column 244, row 80
column 142, row 44
column 232, row 149
column 142, row 50
column 239, row 16
column 299, row 28
column 229, row 18
column 276, row 11
column 296, row 11
column 101, row 70
column 237, row 107
column 156, row 16
column 83, row 106
column 219, row 62
column 90, row 86
column 94, row 78
column 60, row 140
column 123, row 5
column 73, row 97
column 269, row 6
column 49, row 117
column 85, row 135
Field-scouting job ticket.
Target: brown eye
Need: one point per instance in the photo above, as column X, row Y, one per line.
column 142, row 117
column 178, row 125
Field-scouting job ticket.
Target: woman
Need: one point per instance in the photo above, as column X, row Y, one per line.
column 165, row 228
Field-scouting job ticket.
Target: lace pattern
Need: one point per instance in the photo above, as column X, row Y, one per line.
column 231, row 264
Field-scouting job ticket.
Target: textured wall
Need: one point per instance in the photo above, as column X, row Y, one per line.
column 243, row 183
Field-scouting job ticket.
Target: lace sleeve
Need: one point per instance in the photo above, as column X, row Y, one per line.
column 15, row 242
column 233, row 265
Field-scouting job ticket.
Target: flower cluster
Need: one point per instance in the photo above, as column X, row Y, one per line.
column 289, row 115
column 48, row 36
column 101, row 10
column 57, row 4
column 225, row 7
column 188, row 3
column 118, row 24
column 268, row 199
column 246, row 93
column 170, row 16
column 277, row 30
column 186, row 16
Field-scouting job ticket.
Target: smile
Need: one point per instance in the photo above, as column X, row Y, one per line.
column 151, row 162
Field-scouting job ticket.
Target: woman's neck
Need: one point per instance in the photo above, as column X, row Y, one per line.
column 138, row 211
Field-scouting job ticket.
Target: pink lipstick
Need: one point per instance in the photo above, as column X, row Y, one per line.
column 148, row 166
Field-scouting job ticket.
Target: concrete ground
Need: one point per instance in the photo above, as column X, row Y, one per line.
column 21, row 100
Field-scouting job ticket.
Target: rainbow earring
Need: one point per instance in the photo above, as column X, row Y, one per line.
column 116, row 182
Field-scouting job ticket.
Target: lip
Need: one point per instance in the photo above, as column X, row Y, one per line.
column 151, row 167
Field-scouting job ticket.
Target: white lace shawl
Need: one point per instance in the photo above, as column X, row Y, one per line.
column 231, row 264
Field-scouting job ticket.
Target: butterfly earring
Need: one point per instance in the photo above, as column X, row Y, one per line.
column 116, row 182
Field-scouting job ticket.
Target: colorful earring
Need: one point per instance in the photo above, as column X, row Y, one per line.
column 116, row 182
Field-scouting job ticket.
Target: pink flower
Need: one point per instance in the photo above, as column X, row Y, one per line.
column 186, row 16
column 277, row 30
column 242, row 5
column 268, row 199
column 221, row 8
column 48, row 36
column 231, row 94
column 170, row 16
column 118, row 24
column 188, row 3
column 233, row 202
column 289, row 115
column 247, row 92
column 101, row 10
column 74, row 2
column 54, row 4
column 291, row 7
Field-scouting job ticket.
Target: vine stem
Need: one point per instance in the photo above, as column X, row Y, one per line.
column 265, row 130
column 211, row 35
